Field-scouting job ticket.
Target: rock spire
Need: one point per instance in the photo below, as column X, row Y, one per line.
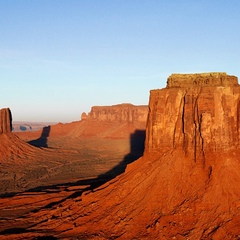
column 5, row 120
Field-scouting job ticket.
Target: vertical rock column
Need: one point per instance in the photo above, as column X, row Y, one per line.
column 5, row 120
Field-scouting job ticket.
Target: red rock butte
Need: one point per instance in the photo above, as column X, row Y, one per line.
column 197, row 117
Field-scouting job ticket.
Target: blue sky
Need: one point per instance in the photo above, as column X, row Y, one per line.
column 60, row 57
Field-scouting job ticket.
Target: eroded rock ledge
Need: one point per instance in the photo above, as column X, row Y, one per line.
column 212, row 79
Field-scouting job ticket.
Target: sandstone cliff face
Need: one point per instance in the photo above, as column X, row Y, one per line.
column 5, row 120
column 117, row 121
column 118, row 113
column 204, row 115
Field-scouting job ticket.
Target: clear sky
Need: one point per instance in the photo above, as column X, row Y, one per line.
column 60, row 57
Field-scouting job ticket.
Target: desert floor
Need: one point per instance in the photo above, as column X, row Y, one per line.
column 37, row 177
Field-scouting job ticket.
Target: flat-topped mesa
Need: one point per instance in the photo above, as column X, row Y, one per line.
column 213, row 79
column 5, row 120
column 118, row 113
column 196, row 119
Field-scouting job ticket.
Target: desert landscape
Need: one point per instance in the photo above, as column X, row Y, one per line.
column 169, row 170
column 104, row 141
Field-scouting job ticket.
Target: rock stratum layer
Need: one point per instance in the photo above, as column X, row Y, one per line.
column 186, row 186
column 5, row 120
column 214, row 79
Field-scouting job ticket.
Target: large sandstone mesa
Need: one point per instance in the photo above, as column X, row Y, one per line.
column 117, row 121
column 118, row 113
column 5, row 120
column 203, row 115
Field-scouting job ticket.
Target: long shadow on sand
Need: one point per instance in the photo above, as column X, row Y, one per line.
column 137, row 140
column 42, row 141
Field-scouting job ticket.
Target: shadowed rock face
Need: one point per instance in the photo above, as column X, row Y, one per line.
column 5, row 120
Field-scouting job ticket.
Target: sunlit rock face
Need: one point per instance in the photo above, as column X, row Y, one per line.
column 118, row 113
column 5, row 120
column 195, row 112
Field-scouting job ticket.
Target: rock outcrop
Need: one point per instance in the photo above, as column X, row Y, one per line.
column 5, row 120
column 117, row 121
column 118, row 113
column 201, row 116
column 11, row 147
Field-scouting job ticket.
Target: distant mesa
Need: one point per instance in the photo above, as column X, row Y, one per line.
column 18, row 126
column 5, row 120
column 23, row 128
column 125, row 112
column 115, row 122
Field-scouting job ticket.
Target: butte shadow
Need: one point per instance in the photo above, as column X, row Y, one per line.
column 137, row 140
column 42, row 141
